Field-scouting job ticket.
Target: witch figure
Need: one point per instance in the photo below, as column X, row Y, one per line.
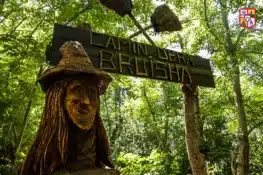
column 71, row 138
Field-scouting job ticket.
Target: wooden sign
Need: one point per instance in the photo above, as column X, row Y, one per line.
column 122, row 56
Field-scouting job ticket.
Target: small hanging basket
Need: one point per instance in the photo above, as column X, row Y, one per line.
column 163, row 19
column 122, row 7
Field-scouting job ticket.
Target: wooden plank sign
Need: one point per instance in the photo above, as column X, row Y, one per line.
column 123, row 56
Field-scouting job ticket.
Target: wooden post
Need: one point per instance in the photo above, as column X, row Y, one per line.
column 154, row 63
column 192, row 135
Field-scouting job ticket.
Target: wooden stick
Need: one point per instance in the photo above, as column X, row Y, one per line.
column 140, row 28
column 139, row 32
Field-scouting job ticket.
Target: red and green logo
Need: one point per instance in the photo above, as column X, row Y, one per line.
column 247, row 17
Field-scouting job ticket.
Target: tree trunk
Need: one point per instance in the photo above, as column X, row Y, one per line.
column 192, row 135
column 234, row 158
column 118, row 117
column 166, row 143
column 243, row 144
column 166, row 146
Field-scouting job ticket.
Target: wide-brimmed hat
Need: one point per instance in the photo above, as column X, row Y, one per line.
column 74, row 61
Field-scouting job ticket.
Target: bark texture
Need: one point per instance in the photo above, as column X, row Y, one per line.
column 240, row 166
column 192, row 135
column 243, row 144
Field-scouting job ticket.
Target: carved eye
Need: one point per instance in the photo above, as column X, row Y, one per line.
column 92, row 93
column 77, row 89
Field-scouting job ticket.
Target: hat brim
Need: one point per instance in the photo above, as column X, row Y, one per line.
column 57, row 73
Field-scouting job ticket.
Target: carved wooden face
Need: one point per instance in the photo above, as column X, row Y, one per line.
column 81, row 103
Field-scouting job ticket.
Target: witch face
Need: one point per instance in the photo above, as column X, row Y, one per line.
column 81, row 103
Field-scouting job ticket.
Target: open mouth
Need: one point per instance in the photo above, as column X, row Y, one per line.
column 83, row 111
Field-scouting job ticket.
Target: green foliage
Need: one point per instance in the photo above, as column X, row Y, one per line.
column 134, row 164
column 143, row 118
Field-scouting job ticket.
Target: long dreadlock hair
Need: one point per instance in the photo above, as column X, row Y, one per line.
column 49, row 150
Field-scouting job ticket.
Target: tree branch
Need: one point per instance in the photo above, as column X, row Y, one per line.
column 254, row 63
column 107, row 111
column 153, row 114
column 70, row 20
column 8, row 14
column 15, row 135
column 239, row 37
column 208, row 25
column 118, row 104
column 20, row 137
column 35, row 29
column 222, row 4
column 229, row 44
column 78, row 14
column 149, row 105
column 17, row 26
column 255, row 126
column 253, row 52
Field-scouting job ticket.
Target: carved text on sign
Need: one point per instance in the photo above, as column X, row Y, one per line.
column 142, row 66
column 120, row 55
column 119, row 44
column 123, row 56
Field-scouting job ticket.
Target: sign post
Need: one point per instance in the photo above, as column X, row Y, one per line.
column 126, row 57
column 123, row 56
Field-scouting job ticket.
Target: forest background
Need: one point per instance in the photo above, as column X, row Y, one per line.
column 144, row 118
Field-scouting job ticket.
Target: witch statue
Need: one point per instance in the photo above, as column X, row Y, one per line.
column 71, row 139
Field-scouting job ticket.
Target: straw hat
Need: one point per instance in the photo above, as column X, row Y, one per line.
column 74, row 61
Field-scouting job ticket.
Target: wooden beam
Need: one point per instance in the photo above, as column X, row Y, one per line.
column 123, row 56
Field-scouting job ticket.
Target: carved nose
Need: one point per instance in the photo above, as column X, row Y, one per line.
column 85, row 104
